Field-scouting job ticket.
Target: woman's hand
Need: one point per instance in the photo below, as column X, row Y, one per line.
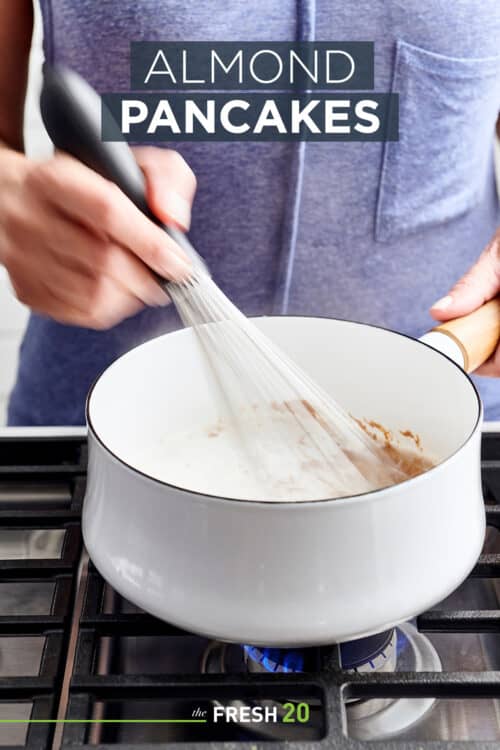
column 77, row 249
column 480, row 284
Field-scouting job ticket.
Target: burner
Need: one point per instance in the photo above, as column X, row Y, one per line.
column 275, row 659
column 378, row 718
column 376, row 653
column 403, row 649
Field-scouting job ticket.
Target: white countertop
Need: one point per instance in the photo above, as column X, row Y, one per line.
column 82, row 431
column 43, row 431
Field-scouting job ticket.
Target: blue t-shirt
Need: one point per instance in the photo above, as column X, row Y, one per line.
column 363, row 231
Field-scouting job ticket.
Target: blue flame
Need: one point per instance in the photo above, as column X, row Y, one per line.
column 276, row 659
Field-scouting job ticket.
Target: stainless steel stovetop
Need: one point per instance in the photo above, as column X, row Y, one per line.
column 80, row 666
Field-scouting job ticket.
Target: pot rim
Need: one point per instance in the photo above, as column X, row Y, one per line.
column 338, row 500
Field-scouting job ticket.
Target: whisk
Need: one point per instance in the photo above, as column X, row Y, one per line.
column 296, row 439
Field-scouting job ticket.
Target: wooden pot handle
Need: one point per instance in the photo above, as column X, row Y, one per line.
column 477, row 334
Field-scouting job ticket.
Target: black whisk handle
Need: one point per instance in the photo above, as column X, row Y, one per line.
column 71, row 112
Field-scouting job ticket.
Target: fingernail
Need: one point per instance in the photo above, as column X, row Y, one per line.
column 442, row 303
column 178, row 269
column 177, row 208
column 160, row 297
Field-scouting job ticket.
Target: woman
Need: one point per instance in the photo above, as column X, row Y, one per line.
column 365, row 231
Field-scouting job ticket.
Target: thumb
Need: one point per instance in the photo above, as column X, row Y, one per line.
column 480, row 284
column 170, row 184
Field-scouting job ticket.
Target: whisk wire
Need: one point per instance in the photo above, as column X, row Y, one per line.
column 303, row 430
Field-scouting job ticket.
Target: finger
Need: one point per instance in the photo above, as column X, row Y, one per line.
column 130, row 273
column 170, row 184
column 480, row 284
column 97, row 203
column 73, row 296
column 99, row 306
column 75, row 247
column 490, row 368
column 41, row 300
column 87, row 304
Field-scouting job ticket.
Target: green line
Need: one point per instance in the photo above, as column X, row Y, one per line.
column 103, row 721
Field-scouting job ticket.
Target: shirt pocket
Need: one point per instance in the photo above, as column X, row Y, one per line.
column 438, row 169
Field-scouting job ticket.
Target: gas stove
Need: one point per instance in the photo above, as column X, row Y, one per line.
column 80, row 666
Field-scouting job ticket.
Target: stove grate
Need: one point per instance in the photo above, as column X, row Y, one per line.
column 42, row 484
column 52, row 462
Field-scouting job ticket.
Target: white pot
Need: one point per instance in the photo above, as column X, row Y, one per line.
column 286, row 573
